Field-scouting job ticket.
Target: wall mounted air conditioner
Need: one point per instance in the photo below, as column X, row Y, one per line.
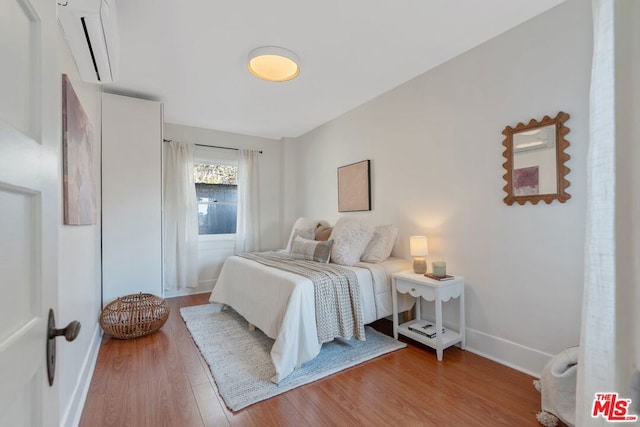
column 91, row 30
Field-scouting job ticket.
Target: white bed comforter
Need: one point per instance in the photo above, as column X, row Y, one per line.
column 282, row 305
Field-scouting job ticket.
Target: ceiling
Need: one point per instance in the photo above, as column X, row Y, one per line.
column 191, row 55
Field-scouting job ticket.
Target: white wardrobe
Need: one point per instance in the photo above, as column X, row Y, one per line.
column 131, row 196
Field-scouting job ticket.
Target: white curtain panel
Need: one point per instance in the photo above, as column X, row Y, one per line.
column 180, row 218
column 596, row 369
column 607, row 344
column 248, row 220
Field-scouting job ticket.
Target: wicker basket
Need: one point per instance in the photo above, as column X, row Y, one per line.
column 133, row 316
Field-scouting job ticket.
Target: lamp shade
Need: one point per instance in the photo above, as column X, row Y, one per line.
column 275, row 64
column 418, row 246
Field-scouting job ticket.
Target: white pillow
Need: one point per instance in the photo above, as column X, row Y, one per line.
column 304, row 224
column 311, row 250
column 381, row 245
column 350, row 238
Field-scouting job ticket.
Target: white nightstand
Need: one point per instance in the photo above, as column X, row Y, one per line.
column 417, row 285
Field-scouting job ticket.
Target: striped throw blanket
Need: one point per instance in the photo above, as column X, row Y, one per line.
column 337, row 294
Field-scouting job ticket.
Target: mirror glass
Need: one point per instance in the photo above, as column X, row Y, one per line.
column 534, row 162
column 535, row 158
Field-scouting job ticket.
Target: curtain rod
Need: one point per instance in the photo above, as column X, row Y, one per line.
column 211, row 146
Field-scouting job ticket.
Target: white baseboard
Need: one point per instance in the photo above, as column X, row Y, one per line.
column 71, row 417
column 505, row 352
column 204, row 286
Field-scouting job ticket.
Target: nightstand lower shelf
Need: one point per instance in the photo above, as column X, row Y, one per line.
column 449, row 337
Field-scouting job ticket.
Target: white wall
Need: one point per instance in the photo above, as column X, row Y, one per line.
column 79, row 269
column 435, row 146
column 212, row 253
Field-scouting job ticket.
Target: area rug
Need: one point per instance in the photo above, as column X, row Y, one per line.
column 241, row 365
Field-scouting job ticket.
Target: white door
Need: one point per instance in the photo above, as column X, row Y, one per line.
column 29, row 207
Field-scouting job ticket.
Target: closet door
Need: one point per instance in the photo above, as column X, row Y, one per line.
column 131, row 196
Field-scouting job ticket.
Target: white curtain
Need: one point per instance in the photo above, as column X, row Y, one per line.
column 611, row 251
column 248, row 219
column 180, row 218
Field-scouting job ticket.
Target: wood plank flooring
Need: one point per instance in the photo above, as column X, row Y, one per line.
column 162, row 380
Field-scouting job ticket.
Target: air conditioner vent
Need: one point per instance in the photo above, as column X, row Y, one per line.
column 91, row 31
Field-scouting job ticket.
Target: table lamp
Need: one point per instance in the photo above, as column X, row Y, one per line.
column 419, row 248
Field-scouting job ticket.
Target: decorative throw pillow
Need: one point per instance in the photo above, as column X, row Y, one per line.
column 305, row 233
column 304, row 224
column 311, row 250
column 323, row 232
column 381, row 245
column 350, row 238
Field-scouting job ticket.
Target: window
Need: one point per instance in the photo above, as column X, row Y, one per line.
column 217, row 194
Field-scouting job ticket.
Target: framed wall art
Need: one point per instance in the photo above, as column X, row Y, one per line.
column 77, row 160
column 354, row 187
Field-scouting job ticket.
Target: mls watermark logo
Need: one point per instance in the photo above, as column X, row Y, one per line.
column 612, row 408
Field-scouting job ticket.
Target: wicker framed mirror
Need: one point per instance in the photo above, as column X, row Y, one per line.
column 535, row 159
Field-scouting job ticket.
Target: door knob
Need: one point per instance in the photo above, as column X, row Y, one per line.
column 70, row 333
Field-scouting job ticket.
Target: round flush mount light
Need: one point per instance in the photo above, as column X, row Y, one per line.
column 272, row 63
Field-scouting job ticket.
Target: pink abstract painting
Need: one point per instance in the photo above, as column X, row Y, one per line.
column 78, row 169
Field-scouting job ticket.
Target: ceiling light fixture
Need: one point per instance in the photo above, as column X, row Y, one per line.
column 272, row 63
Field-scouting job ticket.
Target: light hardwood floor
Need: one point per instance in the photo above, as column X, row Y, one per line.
column 162, row 380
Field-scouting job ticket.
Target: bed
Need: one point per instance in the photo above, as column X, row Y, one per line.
column 282, row 304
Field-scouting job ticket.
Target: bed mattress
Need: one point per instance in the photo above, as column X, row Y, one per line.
column 281, row 304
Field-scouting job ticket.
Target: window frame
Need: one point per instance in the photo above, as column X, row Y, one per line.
column 215, row 156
